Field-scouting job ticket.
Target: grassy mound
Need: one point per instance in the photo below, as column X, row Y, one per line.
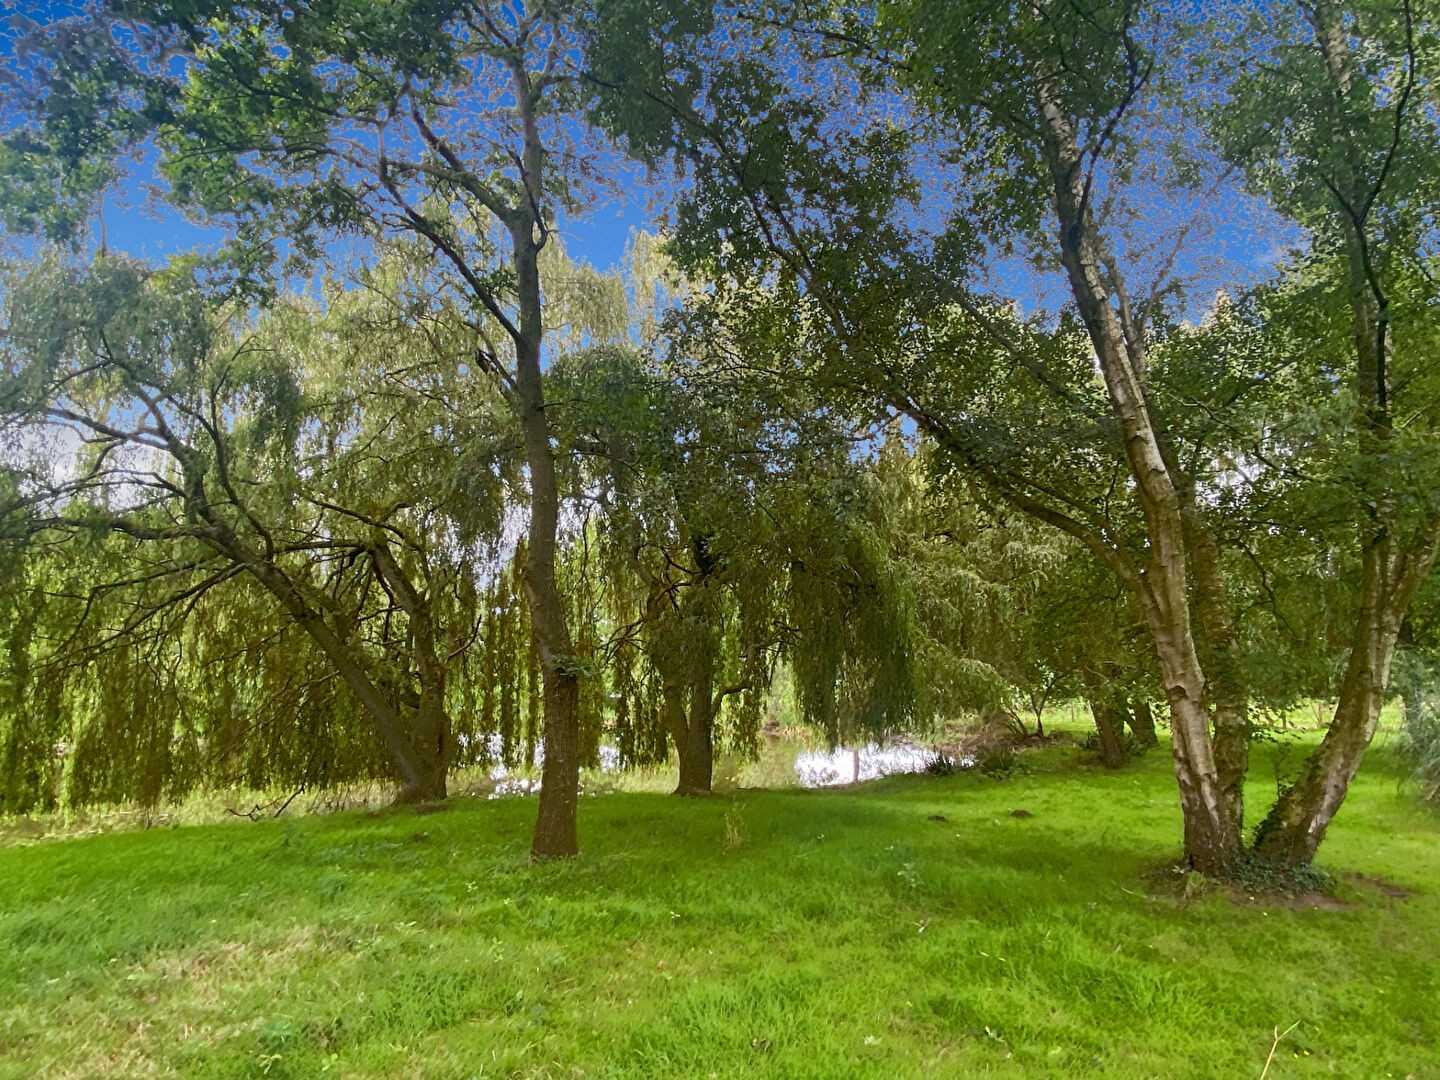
column 911, row 927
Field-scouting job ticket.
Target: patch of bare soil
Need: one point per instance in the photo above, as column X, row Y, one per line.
column 1314, row 900
column 1178, row 883
column 1031, row 741
column 1387, row 889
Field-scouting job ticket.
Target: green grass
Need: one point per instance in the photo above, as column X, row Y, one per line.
column 783, row 934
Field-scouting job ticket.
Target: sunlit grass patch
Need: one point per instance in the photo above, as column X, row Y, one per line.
column 910, row 927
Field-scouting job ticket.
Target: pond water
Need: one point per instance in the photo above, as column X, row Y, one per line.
column 511, row 782
column 850, row 765
column 811, row 769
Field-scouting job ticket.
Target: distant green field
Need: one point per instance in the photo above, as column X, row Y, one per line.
column 781, row 934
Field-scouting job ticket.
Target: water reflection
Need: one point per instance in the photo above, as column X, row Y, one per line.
column 850, row 765
column 812, row 768
column 508, row 782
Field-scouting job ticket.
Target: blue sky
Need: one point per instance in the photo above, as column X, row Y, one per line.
column 139, row 223
column 135, row 220
column 145, row 227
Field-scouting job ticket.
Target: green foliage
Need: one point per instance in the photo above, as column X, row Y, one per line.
column 988, row 590
column 1042, row 132
column 940, row 765
column 999, row 761
column 1369, row 147
column 1262, row 879
column 850, row 173
column 302, row 123
column 732, row 532
column 1133, row 747
column 265, row 538
column 1415, row 680
column 984, row 74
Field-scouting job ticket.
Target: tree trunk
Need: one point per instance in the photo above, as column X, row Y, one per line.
column 1108, row 707
column 697, row 750
column 1394, row 560
column 1392, row 564
column 556, row 828
column 429, row 786
column 1141, row 719
column 1293, row 830
column 1227, row 687
column 1211, row 837
column 695, row 745
column 428, row 743
column 419, row 745
column 1212, row 834
column 556, row 834
column 430, row 749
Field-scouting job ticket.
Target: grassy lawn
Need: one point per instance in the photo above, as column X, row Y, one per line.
column 759, row 934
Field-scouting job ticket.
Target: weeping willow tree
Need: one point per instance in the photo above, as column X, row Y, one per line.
column 978, row 578
column 131, row 692
column 455, row 123
column 726, row 534
column 1010, row 617
column 249, row 549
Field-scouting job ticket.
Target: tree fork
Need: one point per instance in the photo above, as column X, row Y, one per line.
column 1393, row 566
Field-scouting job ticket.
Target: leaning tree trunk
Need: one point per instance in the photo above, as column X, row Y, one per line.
column 420, row 755
column 1293, row 830
column 1394, row 560
column 418, row 737
column 1212, row 833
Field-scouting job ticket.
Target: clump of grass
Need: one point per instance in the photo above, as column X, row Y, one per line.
column 942, row 764
column 1420, row 744
column 1000, row 760
column 734, row 837
column 1134, row 748
column 1417, row 679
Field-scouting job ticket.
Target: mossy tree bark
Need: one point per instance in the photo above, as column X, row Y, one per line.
column 1110, row 709
column 1140, row 718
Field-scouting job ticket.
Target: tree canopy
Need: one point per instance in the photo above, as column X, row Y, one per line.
column 989, row 354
